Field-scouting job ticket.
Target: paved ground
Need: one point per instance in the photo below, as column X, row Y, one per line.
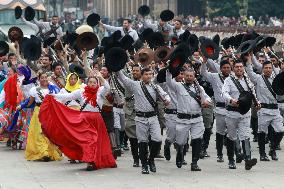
column 17, row 173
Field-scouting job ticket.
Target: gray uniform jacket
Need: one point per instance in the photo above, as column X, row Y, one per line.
column 131, row 31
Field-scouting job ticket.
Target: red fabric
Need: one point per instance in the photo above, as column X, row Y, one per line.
column 210, row 50
column 10, row 88
column 79, row 135
column 90, row 94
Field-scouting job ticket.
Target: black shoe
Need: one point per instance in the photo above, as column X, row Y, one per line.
column 167, row 150
column 239, row 158
column 278, row 147
column 202, row 154
column 273, row 155
column 72, row 161
column 125, row 148
column 184, row 162
column 255, row 139
column 9, row 143
column 264, row 158
column 90, row 168
column 250, row 163
column 220, row 159
column 194, row 167
column 232, row 165
column 118, row 152
column 152, row 166
column 145, row 169
column 46, row 159
column 136, row 163
column 206, row 154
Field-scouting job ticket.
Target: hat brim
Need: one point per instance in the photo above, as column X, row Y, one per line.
column 115, row 59
column 208, row 43
column 87, row 40
column 93, row 19
column 245, row 102
column 246, row 47
column 144, row 10
column 73, row 68
column 18, row 12
column 29, row 13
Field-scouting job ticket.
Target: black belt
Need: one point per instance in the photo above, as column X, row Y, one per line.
column 231, row 108
column 187, row 116
column 171, row 111
column 146, row 114
column 220, row 104
column 280, row 101
column 269, row 106
column 129, row 98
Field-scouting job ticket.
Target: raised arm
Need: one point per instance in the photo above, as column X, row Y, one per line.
column 252, row 75
column 214, row 66
column 256, row 64
column 171, row 83
column 127, row 82
column 111, row 28
column 204, row 72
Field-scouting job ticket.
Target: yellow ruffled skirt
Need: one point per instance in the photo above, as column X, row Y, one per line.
column 38, row 146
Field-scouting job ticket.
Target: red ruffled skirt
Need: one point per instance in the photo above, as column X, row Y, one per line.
column 79, row 135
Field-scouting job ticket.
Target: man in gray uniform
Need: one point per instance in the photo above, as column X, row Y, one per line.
column 238, row 125
column 171, row 117
column 145, row 96
column 217, row 82
column 130, row 127
column 269, row 113
column 190, row 98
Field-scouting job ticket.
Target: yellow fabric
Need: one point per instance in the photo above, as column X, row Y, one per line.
column 70, row 88
column 38, row 146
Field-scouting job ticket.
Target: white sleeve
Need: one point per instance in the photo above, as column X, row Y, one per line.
column 33, row 92
column 163, row 93
column 135, row 36
column 226, row 90
column 252, row 75
column 112, row 28
column 68, row 96
column 171, row 83
column 204, row 72
column 256, row 64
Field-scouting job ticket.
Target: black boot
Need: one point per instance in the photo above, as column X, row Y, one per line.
column 238, row 152
column 184, row 154
column 205, row 143
column 230, row 153
column 254, row 127
column 219, row 146
column 134, row 151
column 117, row 139
column 125, row 145
column 247, row 155
column 167, row 150
column 143, row 157
column 186, row 146
column 179, row 156
column 273, row 140
column 278, row 139
column 196, row 147
column 155, row 146
column 261, row 145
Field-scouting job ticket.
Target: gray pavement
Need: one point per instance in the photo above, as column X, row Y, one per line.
column 17, row 173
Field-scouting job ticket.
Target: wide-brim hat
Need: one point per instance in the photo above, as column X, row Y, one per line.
column 4, row 48
column 93, row 19
column 29, row 13
column 84, row 28
column 167, row 15
column 144, row 56
column 18, row 12
column 87, row 40
column 178, row 58
column 126, row 42
column 161, row 76
column 15, row 34
column 184, row 36
column 193, row 42
column 74, row 68
column 246, row 47
column 216, row 39
column 228, row 42
column 245, row 102
column 269, row 41
column 31, row 48
column 146, row 34
column 70, row 38
column 210, row 49
column 49, row 41
column 238, row 40
column 115, row 59
column 144, row 10
column 162, row 54
column 156, row 40
column 251, row 35
column 277, row 84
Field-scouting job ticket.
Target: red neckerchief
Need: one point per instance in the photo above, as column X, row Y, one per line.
column 90, row 94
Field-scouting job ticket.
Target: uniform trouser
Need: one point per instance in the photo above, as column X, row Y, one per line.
column 146, row 127
column 183, row 127
column 220, row 124
column 171, row 127
column 264, row 120
column 130, row 126
column 119, row 124
column 161, row 115
column 208, row 118
column 238, row 127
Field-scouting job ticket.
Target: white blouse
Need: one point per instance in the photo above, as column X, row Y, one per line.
column 78, row 94
column 75, row 102
column 34, row 93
